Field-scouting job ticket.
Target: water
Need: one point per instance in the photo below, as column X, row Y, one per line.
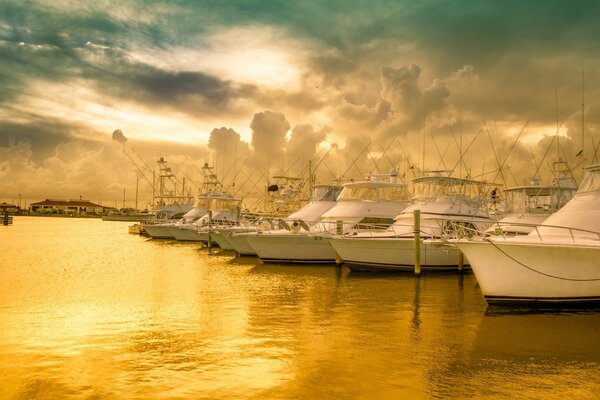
column 88, row 311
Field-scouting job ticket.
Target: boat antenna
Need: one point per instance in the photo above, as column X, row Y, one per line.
column 557, row 127
column 580, row 153
column 460, row 127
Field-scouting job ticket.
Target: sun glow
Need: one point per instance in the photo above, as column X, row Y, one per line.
column 80, row 105
column 254, row 55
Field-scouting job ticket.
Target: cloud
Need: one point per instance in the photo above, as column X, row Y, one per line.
column 269, row 131
column 118, row 136
column 400, row 87
column 304, row 141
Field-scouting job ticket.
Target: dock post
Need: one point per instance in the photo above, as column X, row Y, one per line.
column 417, row 235
column 461, row 260
column 209, row 231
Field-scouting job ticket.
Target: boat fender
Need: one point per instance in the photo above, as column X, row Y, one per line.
column 265, row 226
column 295, row 227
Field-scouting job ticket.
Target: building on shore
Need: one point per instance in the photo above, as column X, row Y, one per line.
column 69, row 207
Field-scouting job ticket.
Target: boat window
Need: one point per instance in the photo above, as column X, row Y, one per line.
column 358, row 193
column 325, row 193
column 374, row 223
column 374, row 193
column 224, row 204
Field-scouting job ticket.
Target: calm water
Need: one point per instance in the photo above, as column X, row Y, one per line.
column 88, row 311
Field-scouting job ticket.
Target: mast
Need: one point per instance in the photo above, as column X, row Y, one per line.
column 137, row 184
column 582, row 110
column 557, row 127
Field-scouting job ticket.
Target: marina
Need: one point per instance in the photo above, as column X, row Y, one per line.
column 299, row 200
column 87, row 310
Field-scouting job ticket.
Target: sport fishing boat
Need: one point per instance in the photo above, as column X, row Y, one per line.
column 444, row 202
column 322, row 199
column 372, row 203
column 171, row 201
column 556, row 263
column 224, row 212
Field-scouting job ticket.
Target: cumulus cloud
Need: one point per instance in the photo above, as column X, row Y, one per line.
column 305, row 139
column 269, row 131
column 72, row 171
column 400, row 87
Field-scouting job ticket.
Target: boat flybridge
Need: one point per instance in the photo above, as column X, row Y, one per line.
column 322, row 199
column 443, row 202
column 372, row 203
column 557, row 262
column 171, row 201
column 528, row 205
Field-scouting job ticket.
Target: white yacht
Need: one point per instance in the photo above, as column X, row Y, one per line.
column 166, row 216
column 322, row 199
column 373, row 203
column 556, row 262
column 213, row 197
column 171, row 201
column 444, row 202
column 225, row 212
column 283, row 196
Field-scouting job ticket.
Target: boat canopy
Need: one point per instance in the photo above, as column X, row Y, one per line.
column 431, row 187
column 224, row 204
column 374, row 191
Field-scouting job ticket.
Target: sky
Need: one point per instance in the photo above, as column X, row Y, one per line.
column 258, row 88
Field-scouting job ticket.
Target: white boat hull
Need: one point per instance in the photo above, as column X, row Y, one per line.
column 185, row 234
column 159, row 231
column 240, row 244
column 290, row 247
column 394, row 254
column 222, row 240
column 538, row 272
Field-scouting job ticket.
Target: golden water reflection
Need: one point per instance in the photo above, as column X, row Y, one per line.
column 87, row 310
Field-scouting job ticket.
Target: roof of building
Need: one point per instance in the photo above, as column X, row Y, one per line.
column 55, row 202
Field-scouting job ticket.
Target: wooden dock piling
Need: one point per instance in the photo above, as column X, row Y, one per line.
column 417, row 235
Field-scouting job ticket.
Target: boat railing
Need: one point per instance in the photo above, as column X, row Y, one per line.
column 399, row 230
column 575, row 235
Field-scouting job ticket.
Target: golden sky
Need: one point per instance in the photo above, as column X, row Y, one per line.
column 269, row 85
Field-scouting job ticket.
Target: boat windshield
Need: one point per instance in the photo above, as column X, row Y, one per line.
column 437, row 186
column 373, row 193
column 224, row 204
column 325, row 193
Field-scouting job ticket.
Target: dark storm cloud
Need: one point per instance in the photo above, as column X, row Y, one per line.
column 192, row 92
column 47, row 44
column 44, row 135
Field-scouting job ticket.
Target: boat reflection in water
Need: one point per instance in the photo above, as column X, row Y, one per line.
column 544, row 354
column 88, row 311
